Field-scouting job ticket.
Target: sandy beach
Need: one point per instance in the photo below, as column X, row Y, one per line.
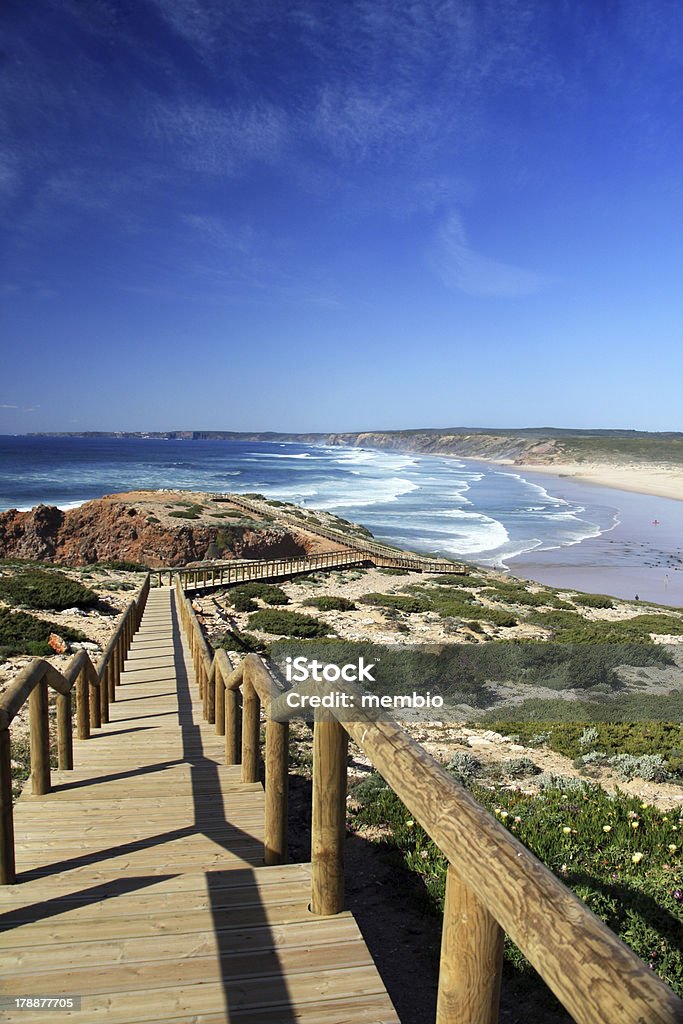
column 664, row 481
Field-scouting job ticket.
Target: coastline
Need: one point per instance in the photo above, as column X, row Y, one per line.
column 658, row 480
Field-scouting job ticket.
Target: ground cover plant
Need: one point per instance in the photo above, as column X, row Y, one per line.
column 21, row 633
column 330, row 603
column 285, row 623
column 398, row 602
column 577, row 739
column 188, row 510
column 40, row 588
column 242, row 598
column 451, row 602
column 240, row 642
column 567, row 627
column 620, row 857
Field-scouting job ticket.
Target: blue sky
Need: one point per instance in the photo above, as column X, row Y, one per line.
column 326, row 216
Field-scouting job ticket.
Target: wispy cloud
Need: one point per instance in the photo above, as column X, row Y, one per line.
column 464, row 269
column 217, row 140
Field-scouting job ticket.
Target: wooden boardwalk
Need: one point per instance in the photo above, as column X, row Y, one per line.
column 142, row 888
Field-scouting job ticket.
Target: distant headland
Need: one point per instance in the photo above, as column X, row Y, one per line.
column 629, row 460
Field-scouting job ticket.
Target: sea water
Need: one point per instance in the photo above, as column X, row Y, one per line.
column 488, row 514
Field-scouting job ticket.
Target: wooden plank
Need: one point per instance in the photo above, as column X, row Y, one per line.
column 129, row 897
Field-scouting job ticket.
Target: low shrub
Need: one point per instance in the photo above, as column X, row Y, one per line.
column 521, row 767
column 609, row 737
column 39, row 588
column 464, row 765
column 21, row 633
column 650, row 767
column 267, row 592
column 593, row 601
column 282, row 623
column 330, row 603
column 124, row 566
column 399, row 602
column 242, row 643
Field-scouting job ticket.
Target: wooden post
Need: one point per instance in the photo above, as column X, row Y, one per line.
column 65, row 750
column 210, row 686
column 232, row 727
column 328, row 824
column 219, row 700
column 251, row 723
column 8, row 873
column 471, row 958
column 94, row 705
column 83, row 705
column 109, row 677
column 104, row 696
column 277, row 781
column 39, row 724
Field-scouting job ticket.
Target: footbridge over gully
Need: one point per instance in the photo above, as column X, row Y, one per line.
column 146, row 877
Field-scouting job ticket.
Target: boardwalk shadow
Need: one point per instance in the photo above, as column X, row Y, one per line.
column 245, row 942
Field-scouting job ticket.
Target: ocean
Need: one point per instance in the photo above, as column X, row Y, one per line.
column 540, row 527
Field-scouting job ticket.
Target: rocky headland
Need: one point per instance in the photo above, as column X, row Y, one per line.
column 150, row 528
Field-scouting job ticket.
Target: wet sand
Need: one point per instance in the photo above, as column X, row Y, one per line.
column 642, row 555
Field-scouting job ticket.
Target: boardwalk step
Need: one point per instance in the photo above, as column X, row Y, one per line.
column 142, row 886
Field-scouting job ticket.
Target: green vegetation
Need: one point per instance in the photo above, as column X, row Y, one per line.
column 567, row 627
column 241, row 643
column 575, row 738
column 399, row 602
column 122, row 565
column 621, row 858
column 38, row 588
column 242, row 596
column 452, row 602
column 630, row 707
column 193, row 512
column 394, row 572
column 593, row 600
column 281, row 623
column 21, row 633
column 330, row 603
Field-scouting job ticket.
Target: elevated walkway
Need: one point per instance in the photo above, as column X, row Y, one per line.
column 141, row 884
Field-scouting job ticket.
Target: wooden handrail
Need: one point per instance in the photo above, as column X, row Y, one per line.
column 92, row 696
column 494, row 883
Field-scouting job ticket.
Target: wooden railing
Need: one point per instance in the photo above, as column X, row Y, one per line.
column 494, row 884
column 95, row 690
column 218, row 574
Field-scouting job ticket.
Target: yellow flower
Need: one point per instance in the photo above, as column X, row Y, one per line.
column 566, row 829
column 672, row 847
column 637, row 857
column 504, row 814
column 410, row 823
column 606, row 828
column 634, row 824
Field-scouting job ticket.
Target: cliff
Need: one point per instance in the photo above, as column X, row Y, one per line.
column 150, row 528
column 530, row 445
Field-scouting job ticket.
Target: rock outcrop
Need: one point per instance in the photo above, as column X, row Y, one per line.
column 138, row 528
